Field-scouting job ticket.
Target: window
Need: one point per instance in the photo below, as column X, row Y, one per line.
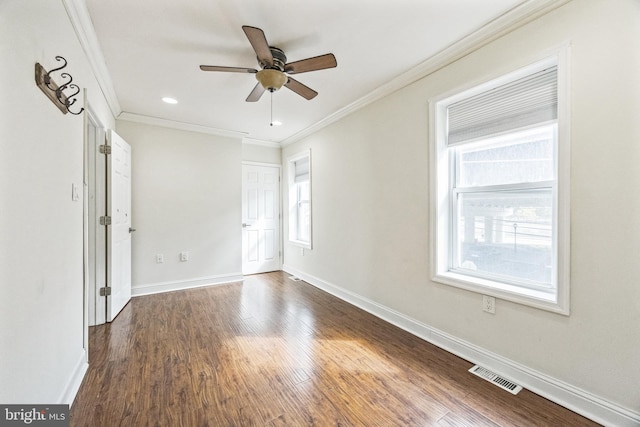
column 300, row 199
column 500, row 181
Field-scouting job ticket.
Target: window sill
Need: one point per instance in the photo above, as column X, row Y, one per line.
column 301, row 244
column 530, row 297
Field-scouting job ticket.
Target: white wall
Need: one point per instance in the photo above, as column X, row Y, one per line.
column 42, row 358
column 371, row 217
column 186, row 196
column 260, row 153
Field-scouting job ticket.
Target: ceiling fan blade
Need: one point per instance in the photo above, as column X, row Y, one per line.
column 312, row 64
column 228, row 69
column 259, row 43
column 256, row 93
column 302, row 90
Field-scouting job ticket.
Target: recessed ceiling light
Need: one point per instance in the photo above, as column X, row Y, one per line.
column 276, row 123
column 170, row 100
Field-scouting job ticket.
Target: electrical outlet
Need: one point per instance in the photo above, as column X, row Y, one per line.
column 488, row 304
column 184, row 256
column 159, row 258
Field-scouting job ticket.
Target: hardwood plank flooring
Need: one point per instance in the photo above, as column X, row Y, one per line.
column 274, row 352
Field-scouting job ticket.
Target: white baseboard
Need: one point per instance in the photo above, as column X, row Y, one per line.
column 156, row 288
column 567, row 395
column 73, row 385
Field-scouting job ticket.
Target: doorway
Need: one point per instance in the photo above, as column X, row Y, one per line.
column 107, row 223
column 95, row 234
column 261, row 243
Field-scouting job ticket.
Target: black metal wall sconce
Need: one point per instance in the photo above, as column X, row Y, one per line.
column 56, row 93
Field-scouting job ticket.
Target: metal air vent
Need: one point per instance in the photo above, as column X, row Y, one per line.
column 496, row 379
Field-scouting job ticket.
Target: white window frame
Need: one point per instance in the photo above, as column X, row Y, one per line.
column 294, row 201
column 441, row 196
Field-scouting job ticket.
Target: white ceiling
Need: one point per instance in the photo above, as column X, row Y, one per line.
column 153, row 49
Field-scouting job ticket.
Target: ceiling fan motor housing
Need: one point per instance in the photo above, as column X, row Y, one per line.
column 279, row 59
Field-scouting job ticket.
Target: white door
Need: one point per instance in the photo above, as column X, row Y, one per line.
column 260, row 218
column 119, row 233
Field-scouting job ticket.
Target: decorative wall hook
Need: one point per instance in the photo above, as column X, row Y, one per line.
column 56, row 93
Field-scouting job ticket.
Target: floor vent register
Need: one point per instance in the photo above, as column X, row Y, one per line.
column 496, row 379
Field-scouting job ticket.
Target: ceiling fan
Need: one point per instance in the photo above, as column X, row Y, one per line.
column 274, row 67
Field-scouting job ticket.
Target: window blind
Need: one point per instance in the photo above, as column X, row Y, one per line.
column 524, row 102
column 301, row 170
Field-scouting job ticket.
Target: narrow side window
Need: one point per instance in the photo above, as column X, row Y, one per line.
column 299, row 168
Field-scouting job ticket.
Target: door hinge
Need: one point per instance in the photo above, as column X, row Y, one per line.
column 106, row 291
column 105, row 149
column 105, row 220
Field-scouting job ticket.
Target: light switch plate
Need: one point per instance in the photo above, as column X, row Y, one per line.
column 75, row 196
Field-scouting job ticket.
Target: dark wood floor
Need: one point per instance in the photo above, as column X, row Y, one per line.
column 274, row 352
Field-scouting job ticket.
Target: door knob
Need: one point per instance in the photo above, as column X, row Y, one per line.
column 131, row 230
column 245, row 225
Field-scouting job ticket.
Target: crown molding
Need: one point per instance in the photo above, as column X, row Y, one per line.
column 504, row 24
column 253, row 141
column 83, row 27
column 155, row 121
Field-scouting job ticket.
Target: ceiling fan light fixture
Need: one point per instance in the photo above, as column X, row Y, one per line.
column 275, row 68
column 271, row 79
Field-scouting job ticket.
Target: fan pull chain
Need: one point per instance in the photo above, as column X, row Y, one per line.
column 271, row 123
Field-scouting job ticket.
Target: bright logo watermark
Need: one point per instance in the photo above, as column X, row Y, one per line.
column 36, row 415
